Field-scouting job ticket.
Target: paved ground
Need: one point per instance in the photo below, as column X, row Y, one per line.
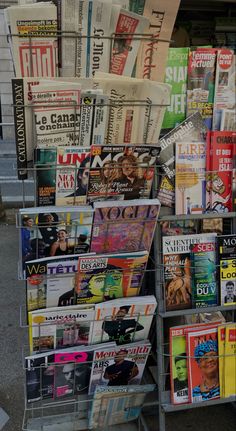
column 13, row 338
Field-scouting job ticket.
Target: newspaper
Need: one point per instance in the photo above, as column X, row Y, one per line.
column 89, row 21
column 36, row 55
column 125, row 48
column 224, row 98
column 153, row 53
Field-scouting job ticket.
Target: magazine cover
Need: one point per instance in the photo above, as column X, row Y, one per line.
column 191, row 130
column 45, row 163
column 226, row 248
column 125, row 48
column 221, row 352
column 115, row 405
column 39, row 373
column 176, row 76
column 105, row 277
column 121, row 172
column 119, row 366
column 123, row 320
column 124, row 226
column 33, row 56
column 230, row 363
column 72, row 175
column 60, row 327
column 50, row 233
column 178, row 270
column 224, row 98
column 220, row 177
column 204, row 276
column 190, row 178
column 203, row 365
column 56, row 107
column 72, row 373
column 201, row 83
column 153, row 52
column 48, row 279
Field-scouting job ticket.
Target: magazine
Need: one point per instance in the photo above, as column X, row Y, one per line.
column 201, row 83
column 178, row 270
column 123, row 320
column 72, row 175
column 45, row 164
column 125, row 48
column 86, row 47
column 224, row 98
column 176, row 76
column 119, row 366
column 220, row 171
column 204, row 274
column 226, row 248
column 121, row 172
column 229, row 359
column 105, row 277
column 180, row 393
column 60, row 327
column 153, row 52
column 51, row 281
column 190, row 178
column 49, row 233
column 37, row 55
column 221, row 352
column 203, row 364
column 115, row 405
column 56, row 108
column 39, row 375
column 191, row 130
column 124, row 226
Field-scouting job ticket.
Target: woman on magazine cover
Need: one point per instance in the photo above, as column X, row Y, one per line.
column 206, row 357
column 61, row 246
column 133, row 185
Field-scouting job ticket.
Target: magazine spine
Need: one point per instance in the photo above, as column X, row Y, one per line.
column 20, row 127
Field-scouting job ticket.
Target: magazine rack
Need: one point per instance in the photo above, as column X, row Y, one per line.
column 65, row 414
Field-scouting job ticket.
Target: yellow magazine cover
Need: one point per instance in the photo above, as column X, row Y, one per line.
column 221, row 353
column 230, row 361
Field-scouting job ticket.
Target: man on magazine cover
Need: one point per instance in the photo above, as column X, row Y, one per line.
column 230, row 297
column 120, row 329
column 122, row 371
column 181, row 381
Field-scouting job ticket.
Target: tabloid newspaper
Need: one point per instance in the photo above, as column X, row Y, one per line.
column 121, row 172
column 125, row 48
column 86, row 29
column 124, row 226
column 123, row 320
column 220, row 171
column 119, row 366
column 105, row 277
column 178, row 272
column 226, row 245
column 37, row 55
column 115, row 405
column 52, row 231
column 190, row 178
column 60, row 327
column 152, row 55
column 191, row 130
column 56, row 113
column 224, row 99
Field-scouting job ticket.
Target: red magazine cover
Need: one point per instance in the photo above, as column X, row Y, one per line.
column 203, row 365
column 219, row 181
column 178, row 360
